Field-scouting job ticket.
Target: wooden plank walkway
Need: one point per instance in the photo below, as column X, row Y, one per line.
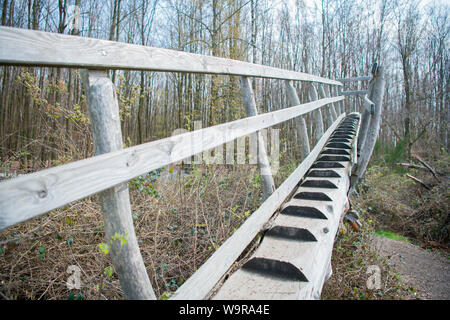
column 294, row 258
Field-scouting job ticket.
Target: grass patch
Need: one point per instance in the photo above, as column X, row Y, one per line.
column 352, row 257
column 391, row 235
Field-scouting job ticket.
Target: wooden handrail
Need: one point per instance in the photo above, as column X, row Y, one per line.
column 37, row 193
column 199, row 285
column 36, row 48
column 33, row 194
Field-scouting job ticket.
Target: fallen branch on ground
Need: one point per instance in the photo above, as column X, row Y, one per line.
column 410, row 165
column 433, row 172
column 416, row 166
column 418, row 181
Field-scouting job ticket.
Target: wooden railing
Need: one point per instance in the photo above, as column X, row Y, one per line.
column 107, row 172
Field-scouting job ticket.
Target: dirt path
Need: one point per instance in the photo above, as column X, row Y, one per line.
column 425, row 271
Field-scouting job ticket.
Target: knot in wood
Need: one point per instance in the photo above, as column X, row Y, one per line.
column 42, row 193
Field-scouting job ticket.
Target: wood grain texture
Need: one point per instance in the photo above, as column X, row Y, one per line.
column 199, row 285
column 103, row 111
column 355, row 140
column 27, row 196
column 36, row 48
column 365, row 118
column 373, row 127
column 313, row 258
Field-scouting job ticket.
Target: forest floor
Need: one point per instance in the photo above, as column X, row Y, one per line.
column 180, row 222
column 405, row 233
column 428, row 272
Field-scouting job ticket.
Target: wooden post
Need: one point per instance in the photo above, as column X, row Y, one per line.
column 365, row 114
column 267, row 183
column 103, row 111
column 302, row 131
column 374, row 122
column 365, row 118
column 317, row 113
column 329, row 116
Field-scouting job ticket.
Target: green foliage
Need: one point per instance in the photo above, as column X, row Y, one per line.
column 395, row 153
column 55, row 111
column 128, row 95
column 108, row 271
column 42, row 252
column 104, row 248
column 166, row 295
column 377, row 149
column 391, row 235
column 75, row 296
column 398, row 204
column 145, row 182
column 120, row 237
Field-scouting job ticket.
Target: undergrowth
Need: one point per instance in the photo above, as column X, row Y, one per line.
column 352, row 259
column 394, row 206
column 179, row 222
column 400, row 205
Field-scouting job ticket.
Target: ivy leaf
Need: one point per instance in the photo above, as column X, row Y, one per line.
column 42, row 251
column 104, row 248
column 109, row 271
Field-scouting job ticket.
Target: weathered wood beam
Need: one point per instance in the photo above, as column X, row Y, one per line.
column 103, row 111
column 293, row 260
column 373, row 126
column 333, row 106
column 370, row 106
column 365, row 116
column 200, row 284
column 334, row 92
column 30, row 195
column 36, row 48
